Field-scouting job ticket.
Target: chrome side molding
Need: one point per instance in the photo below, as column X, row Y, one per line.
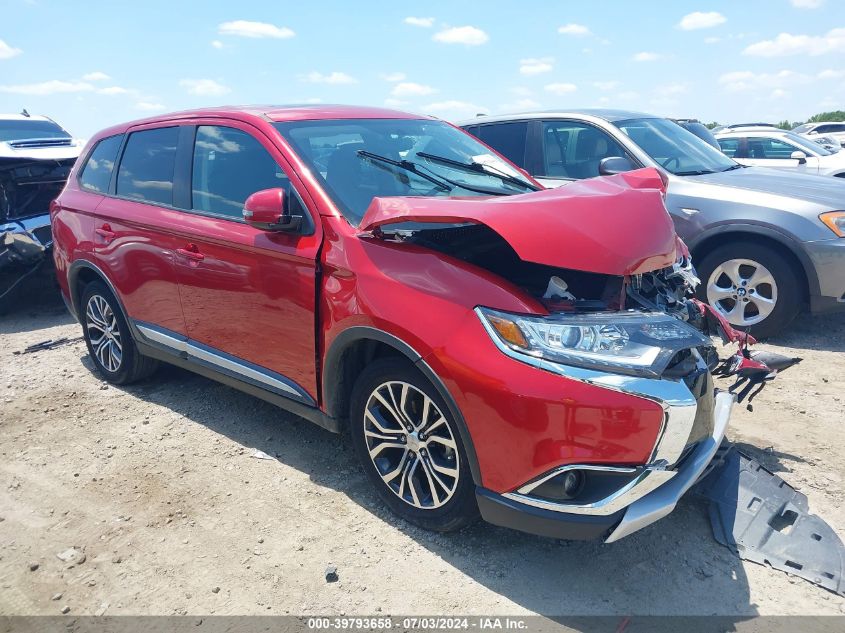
column 239, row 368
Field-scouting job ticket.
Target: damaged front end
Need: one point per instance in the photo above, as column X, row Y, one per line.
column 32, row 174
column 615, row 310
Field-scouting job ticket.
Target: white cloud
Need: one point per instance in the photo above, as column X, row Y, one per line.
column 392, row 77
column 468, row 35
column 113, row 90
column 536, row 66
column 701, row 20
column 7, row 51
column 204, row 87
column 423, row 22
column 560, row 89
column 745, row 80
column 453, row 109
column 646, row 56
column 573, row 29
column 148, row 106
column 831, row 74
column 778, row 93
column 334, row 78
column 217, row 44
column 411, row 89
column 787, row 44
column 806, row 4
column 45, row 88
column 712, row 40
column 95, row 76
column 255, row 30
column 606, row 85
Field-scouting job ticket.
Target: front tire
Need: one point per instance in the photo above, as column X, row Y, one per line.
column 110, row 343
column 410, row 447
column 754, row 287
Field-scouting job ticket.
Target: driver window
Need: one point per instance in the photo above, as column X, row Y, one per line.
column 769, row 148
column 229, row 166
column 574, row 150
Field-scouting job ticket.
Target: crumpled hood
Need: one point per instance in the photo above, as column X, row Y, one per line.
column 826, row 191
column 616, row 225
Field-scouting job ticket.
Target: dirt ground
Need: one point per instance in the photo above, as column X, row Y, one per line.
column 157, row 486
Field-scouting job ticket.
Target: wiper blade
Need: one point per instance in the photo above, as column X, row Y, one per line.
column 699, row 172
column 478, row 168
column 732, row 167
column 407, row 166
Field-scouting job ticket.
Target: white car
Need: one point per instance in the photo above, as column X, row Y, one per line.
column 763, row 146
column 831, row 129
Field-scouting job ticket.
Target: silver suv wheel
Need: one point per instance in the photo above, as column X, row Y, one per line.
column 411, row 444
column 743, row 291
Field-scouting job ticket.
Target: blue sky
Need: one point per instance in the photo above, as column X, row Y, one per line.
column 91, row 64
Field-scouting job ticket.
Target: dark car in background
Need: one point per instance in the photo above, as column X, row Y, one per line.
column 765, row 242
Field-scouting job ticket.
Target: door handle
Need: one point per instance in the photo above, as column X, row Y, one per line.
column 105, row 234
column 192, row 252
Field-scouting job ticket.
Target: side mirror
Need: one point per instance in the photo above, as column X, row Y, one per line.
column 800, row 156
column 613, row 165
column 266, row 210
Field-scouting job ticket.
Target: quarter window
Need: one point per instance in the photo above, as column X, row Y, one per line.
column 146, row 169
column 96, row 174
column 229, row 166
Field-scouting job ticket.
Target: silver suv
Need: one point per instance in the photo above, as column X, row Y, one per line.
column 765, row 242
column 772, row 147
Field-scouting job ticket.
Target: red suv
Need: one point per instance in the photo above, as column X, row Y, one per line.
column 492, row 348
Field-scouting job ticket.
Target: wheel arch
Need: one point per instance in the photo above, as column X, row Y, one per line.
column 356, row 346
column 796, row 256
column 80, row 274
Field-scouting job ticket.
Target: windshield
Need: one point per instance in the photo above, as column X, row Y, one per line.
column 25, row 129
column 801, row 129
column 811, row 146
column 675, row 149
column 359, row 159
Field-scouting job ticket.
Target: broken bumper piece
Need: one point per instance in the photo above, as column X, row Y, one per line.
column 660, row 502
column 650, row 496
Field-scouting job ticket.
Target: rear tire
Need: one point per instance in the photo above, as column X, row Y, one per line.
column 752, row 285
column 412, row 454
column 110, row 343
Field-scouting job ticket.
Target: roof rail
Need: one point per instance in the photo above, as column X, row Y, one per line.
column 734, row 125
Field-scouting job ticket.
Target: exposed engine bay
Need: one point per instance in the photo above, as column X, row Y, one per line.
column 668, row 290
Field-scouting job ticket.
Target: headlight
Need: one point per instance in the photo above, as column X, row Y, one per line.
column 835, row 221
column 622, row 342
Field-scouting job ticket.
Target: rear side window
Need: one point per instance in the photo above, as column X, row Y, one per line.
column 96, row 174
column 506, row 138
column 146, row 169
column 229, row 166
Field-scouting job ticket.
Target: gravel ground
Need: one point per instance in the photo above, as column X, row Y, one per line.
column 153, row 497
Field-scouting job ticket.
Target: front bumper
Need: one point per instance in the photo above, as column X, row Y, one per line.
column 828, row 260
column 649, row 497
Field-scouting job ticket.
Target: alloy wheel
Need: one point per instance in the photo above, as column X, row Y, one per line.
column 412, row 445
column 743, row 291
column 103, row 333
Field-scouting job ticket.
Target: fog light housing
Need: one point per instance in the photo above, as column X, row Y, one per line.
column 562, row 487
